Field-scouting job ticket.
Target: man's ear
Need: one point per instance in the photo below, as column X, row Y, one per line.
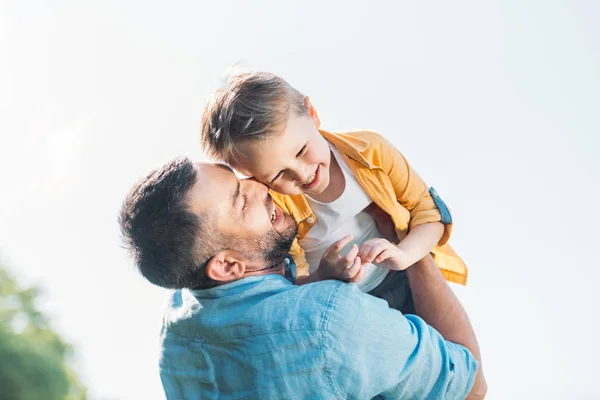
column 226, row 266
column 312, row 112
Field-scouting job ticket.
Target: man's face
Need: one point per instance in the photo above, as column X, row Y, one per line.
column 244, row 212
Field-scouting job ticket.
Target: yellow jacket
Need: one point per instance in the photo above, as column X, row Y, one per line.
column 393, row 185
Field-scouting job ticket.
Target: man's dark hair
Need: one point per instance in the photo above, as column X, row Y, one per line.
column 162, row 234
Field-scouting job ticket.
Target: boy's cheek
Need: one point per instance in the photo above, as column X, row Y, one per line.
column 286, row 189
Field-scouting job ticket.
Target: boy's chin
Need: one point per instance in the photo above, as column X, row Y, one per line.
column 316, row 190
column 312, row 192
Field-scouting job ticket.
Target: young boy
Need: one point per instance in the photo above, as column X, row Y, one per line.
column 334, row 184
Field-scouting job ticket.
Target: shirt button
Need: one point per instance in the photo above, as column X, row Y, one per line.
column 310, row 220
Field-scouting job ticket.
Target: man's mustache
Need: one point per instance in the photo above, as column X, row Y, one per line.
column 268, row 201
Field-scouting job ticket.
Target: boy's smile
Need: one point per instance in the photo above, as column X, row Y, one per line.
column 296, row 161
column 313, row 181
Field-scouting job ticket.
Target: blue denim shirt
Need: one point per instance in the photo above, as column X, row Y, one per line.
column 264, row 338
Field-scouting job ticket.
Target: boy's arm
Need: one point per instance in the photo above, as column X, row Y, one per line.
column 419, row 242
column 416, row 245
column 413, row 193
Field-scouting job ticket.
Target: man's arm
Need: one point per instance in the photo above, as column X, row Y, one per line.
column 373, row 349
column 438, row 306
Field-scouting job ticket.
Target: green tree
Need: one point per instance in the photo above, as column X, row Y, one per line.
column 35, row 362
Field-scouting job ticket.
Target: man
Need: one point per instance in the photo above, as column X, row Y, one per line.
column 237, row 328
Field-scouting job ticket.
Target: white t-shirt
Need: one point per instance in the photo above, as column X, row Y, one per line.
column 343, row 216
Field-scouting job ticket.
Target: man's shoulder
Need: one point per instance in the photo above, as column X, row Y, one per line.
column 322, row 299
column 178, row 305
column 306, row 307
column 273, row 330
column 341, row 305
column 326, row 292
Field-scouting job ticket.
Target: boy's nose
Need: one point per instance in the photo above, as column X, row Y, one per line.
column 303, row 176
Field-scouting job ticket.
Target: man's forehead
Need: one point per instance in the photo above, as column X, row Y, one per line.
column 211, row 174
column 214, row 184
column 203, row 165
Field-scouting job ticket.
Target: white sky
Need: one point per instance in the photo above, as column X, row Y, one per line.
column 497, row 105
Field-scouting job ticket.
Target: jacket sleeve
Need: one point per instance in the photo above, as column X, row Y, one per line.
column 302, row 267
column 297, row 253
column 412, row 192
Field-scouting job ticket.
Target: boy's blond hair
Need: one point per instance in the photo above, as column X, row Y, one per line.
column 250, row 106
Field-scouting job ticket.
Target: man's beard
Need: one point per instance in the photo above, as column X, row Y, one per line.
column 271, row 248
column 278, row 245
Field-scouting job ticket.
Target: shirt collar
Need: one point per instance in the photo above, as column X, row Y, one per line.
column 350, row 145
column 241, row 285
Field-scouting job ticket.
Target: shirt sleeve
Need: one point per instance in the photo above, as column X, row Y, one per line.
column 374, row 350
column 412, row 192
column 297, row 252
column 302, row 266
column 179, row 375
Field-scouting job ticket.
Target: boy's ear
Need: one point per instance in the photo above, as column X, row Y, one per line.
column 312, row 112
column 226, row 266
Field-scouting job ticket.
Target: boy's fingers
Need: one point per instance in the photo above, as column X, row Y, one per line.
column 351, row 270
column 351, row 264
column 359, row 275
column 375, row 252
column 339, row 245
column 364, row 249
column 383, row 256
column 351, row 254
column 371, row 248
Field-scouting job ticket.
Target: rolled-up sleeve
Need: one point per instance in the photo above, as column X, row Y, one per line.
column 412, row 192
column 374, row 350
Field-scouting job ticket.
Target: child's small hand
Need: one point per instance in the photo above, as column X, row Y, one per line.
column 348, row 268
column 383, row 253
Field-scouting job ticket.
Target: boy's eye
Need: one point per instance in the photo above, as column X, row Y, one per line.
column 277, row 176
column 302, row 151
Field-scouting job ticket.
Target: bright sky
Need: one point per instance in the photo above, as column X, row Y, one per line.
column 496, row 104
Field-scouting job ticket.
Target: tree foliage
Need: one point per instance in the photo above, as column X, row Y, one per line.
column 34, row 359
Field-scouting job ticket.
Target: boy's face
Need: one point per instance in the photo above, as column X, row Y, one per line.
column 294, row 162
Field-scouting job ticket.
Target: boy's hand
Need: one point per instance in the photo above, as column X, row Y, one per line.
column 347, row 268
column 382, row 252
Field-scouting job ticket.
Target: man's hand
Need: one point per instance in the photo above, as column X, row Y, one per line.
column 333, row 266
column 383, row 253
